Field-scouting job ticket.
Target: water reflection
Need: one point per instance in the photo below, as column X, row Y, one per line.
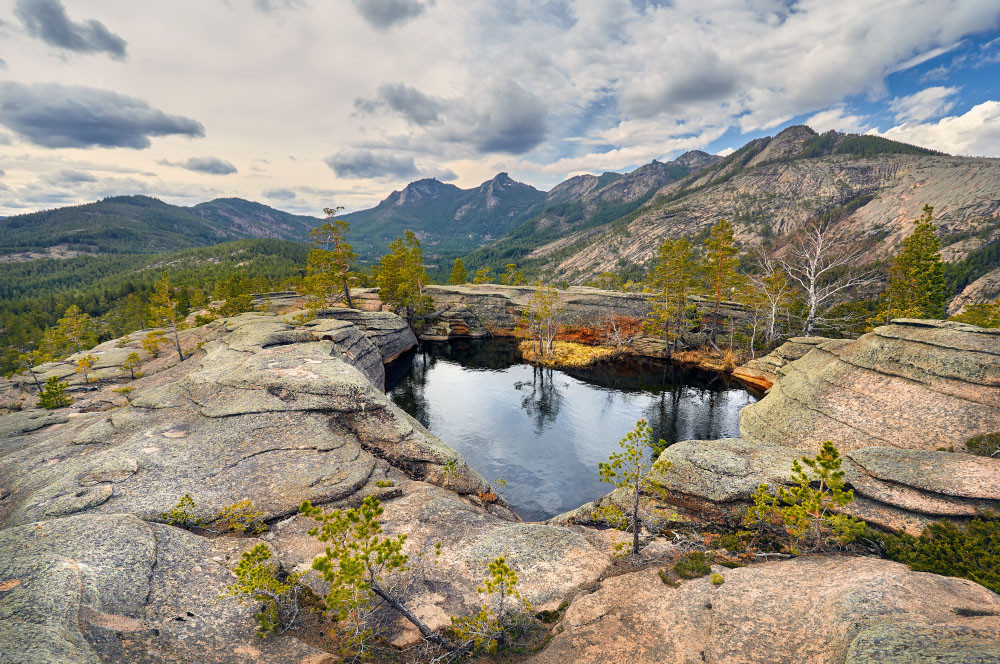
column 545, row 431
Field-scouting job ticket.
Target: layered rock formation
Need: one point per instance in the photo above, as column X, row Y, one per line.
column 915, row 384
column 260, row 409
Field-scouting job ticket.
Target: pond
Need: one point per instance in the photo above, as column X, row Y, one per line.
column 544, row 431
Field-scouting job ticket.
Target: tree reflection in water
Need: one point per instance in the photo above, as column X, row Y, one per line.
column 545, row 430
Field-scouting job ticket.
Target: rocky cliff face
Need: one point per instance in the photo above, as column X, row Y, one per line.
column 778, row 189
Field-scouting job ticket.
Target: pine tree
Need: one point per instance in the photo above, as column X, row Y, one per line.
column 511, row 275
column 402, row 276
column 482, row 276
column 916, row 278
column 671, row 280
column 721, row 259
column 458, row 273
column 164, row 309
column 330, row 256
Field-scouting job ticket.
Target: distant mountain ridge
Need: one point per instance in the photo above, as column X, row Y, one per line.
column 146, row 225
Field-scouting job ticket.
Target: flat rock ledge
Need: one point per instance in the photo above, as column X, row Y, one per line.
column 816, row 610
column 914, row 384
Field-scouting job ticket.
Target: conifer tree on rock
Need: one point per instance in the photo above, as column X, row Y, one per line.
column 330, row 256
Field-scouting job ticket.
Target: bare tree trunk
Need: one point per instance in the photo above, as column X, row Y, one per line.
column 177, row 342
column 426, row 631
column 347, row 295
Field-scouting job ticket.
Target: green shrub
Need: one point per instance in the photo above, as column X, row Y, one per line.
column 806, row 514
column 384, row 483
column 53, row 395
column 692, row 565
column 972, row 552
column 242, row 517
column 716, row 579
column 483, row 633
column 258, row 582
column 987, row 445
column 182, row 515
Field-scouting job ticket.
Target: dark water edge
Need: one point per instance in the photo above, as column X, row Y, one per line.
column 545, row 430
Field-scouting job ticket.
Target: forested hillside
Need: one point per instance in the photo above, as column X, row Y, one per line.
column 144, row 225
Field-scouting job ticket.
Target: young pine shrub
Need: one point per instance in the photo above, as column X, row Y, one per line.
column 182, row 515
column 242, row 517
column 259, row 581
column 53, row 395
column 693, row 565
column 808, row 515
column 484, row 632
column 987, row 445
column 631, row 471
column 366, row 574
column 152, row 341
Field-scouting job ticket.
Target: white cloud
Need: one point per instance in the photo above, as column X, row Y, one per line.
column 974, row 133
column 924, row 105
column 837, row 119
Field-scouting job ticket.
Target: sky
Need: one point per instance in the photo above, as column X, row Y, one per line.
column 306, row 104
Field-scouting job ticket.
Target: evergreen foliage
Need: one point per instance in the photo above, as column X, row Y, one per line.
column 693, row 565
column 53, row 395
column 458, row 274
column 916, row 278
column 631, row 471
column 970, row 552
column 981, row 315
column 988, row 445
column 484, row 632
column 330, row 256
column 182, row 514
column 402, row 277
column 259, row 582
column 808, row 515
column 721, row 261
column 242, row 517
column 673, row 277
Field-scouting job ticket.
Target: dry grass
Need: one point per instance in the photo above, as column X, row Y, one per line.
column 709, row 359
column 567, row 354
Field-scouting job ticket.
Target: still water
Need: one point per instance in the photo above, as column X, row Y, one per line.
column 544, row 431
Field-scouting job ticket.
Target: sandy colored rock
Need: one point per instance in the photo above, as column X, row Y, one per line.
column 815, row 610
column 913, row 385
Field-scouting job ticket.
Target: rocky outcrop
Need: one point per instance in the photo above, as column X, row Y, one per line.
column 712, row 481
column 454, row 321
column 262, row 410
column 761, row 373
column 984, row 289
column 914, row 384
column 819, row 610
column 390, row 334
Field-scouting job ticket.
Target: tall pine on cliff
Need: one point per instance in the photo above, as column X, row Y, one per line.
column 916, row 278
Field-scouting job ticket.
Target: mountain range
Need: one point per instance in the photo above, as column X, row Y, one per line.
column 614, row 222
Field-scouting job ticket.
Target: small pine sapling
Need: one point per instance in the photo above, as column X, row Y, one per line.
column 132, row 361
column 259, row 581
column 360, row 567
column 483, row 632
column 152, row 341
column 808, row 515
column 53, row 395
column 84, row 364
column 182, row 515
column 126, row 392
column 242, row 517
column 629, row 470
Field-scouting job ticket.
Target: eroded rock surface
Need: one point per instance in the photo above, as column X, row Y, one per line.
column 817, row 610
column 914, row 384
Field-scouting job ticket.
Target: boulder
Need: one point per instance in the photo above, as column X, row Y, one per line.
column 827, row 610
column 455, row 321
column 914, row 384
column 761, row 373
column 114, row 588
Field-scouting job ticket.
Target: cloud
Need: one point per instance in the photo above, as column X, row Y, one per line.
column 924, row 105
column 371, row 164
column 279, row 194
column 412, row 104
column 60, row 116
column 837, row 119
column 3, row 63
column 68, row 176
column 706, row 79
column 47, row 20
column 268, row 6
column 210, row 165
column 512, row 120
column 384, row 14
column 974, row 133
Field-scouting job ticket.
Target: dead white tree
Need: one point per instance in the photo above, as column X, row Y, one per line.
column 776, row 293
column 823, row 261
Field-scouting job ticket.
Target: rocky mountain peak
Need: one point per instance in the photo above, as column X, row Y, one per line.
column 697, row 159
